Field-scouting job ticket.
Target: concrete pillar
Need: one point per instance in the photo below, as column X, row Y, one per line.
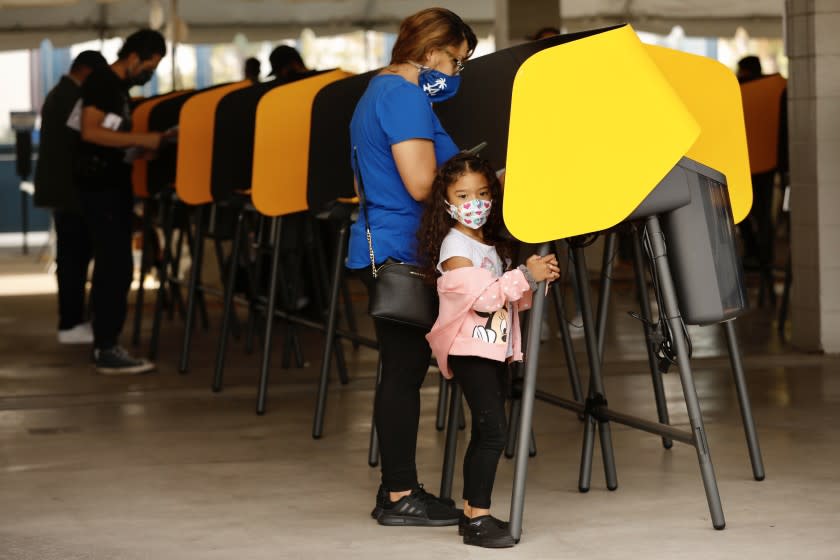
column 813, row 46
column 516, row 21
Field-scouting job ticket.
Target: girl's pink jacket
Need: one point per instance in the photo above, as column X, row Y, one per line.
column 473, row 318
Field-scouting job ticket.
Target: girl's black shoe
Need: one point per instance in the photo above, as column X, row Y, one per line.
column 488, row 532
column 464, row 521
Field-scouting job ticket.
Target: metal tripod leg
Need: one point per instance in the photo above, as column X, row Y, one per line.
column 520, row 472
column 605, row 287
column 373, row 449
column 224, row 273
column 269, row 314
column 568, row 347
column 744, row 401
column 329, row 335
column 221, row 352
column 513, row 423
column 672, row 314
column 653, row 363
column 443, row 393
column 192, row 295
column 168, row 215
column 596, row 389
column 448, row 472
column 148, row 231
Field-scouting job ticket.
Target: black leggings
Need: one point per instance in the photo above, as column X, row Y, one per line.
column 484, row 383
column 405, row 356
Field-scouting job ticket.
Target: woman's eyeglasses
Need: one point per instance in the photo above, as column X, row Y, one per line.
column 459, row 65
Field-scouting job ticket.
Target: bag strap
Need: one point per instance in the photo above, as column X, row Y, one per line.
column 363, row 200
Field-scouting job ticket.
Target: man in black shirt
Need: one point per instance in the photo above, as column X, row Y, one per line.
column 54, row 189
column 105, row 181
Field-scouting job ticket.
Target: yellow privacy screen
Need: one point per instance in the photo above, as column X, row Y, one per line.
column 711, row 92
column 594, row 126
column 195, row 144
column 281, row 145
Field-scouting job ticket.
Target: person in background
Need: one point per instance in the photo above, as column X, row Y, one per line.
column 104, row 177
column 400, row 143
column 252, row 70
column 545, row 33
column 285, row 62
column 54, row 189
column 757, row 230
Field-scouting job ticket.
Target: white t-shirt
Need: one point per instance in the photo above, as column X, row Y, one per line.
column 458, row 244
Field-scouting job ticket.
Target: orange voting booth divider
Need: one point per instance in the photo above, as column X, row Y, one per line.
column 281, row 145
column 762, row 111
column 140, row 123
column 195, row 144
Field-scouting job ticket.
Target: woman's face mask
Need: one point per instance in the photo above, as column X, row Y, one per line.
column 438, row 85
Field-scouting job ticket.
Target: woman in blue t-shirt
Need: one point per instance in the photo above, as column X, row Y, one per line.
column 400, row 143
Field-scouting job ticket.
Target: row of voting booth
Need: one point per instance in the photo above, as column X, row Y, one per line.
column 654, row 148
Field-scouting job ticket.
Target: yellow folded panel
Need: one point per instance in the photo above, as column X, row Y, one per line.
column 710, row 91
column 594, row 127
column 281, row 145
column 140, row 123
column 762, row 110
column 195, row 143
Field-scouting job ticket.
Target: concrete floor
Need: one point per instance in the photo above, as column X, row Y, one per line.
column 159, row 467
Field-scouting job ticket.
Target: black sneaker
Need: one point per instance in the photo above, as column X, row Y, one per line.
column 117, row 361
column 382, row 499
column 419, row 509
column 488, row 532
column 464, row 521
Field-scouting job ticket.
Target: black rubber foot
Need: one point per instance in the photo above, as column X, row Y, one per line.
column 720, row 527
column 667, row 444
column 534, row 454
column 217, row 389
column 374, row 464
column 613, row 489
column 583, row 490
column 759, row 478
column 316, row 436
column 260, row 412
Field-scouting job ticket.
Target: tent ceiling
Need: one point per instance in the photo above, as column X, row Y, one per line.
column 24, row 23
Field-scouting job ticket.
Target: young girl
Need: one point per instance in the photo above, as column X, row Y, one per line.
column 477, row 330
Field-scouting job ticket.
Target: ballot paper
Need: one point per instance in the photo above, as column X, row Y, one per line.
column 74, row 121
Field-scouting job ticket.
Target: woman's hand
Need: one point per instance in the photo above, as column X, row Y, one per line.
column 543, row 268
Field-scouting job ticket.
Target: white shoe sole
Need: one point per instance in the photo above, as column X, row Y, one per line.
column 133, row 370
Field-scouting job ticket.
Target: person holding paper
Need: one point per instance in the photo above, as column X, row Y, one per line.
column 104, row 178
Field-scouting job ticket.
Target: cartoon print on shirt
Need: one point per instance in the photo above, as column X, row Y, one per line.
column 495, row 330
column 488, row 264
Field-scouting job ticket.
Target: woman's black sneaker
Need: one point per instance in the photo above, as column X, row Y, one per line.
column 464, row 521
column 382, row 499
column 419, row 509
column 488, row 532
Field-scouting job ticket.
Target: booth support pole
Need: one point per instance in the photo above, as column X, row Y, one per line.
column 672, row 315
column 195, row 279
column 276, row 231
column 595, row 395
column 517, row 502
column 647, row 323
column 329, row 335
column 221, row 352
column 744, row 400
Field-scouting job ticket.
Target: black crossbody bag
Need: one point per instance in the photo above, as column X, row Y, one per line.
column 401, row 293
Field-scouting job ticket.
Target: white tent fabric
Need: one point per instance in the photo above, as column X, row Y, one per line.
column 25, row 23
